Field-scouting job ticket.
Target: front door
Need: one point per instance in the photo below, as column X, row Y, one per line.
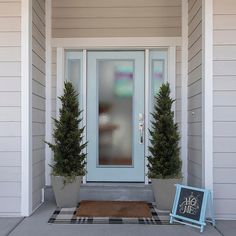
column 115, row 116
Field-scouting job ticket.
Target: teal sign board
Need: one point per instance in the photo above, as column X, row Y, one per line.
column 190, row 206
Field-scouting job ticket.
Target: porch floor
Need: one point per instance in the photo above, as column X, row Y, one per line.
column 37, row 225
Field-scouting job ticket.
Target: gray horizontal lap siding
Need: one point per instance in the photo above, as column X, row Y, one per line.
column 154, row 18
column 10, row 108
column 224, row 110
column 38, row 100
column 195, row 92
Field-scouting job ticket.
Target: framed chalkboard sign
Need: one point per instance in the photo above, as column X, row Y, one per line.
column 190, row 206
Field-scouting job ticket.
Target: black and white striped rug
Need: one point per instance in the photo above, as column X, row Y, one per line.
column 68, row 216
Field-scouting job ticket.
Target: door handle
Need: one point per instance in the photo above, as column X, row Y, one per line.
column 141, row 127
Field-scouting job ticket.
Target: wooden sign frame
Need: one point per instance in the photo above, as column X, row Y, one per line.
column 194, row 211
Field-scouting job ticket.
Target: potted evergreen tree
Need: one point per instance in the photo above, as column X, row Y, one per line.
column 69, row 158
column 164, row 167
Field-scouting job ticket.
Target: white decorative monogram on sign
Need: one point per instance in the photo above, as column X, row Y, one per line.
column 190, row 205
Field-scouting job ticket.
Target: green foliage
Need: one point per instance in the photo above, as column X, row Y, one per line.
column 69, row 158
column 164, row 159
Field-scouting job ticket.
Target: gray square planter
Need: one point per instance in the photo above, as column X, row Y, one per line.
column 67, row 195
column 164, row 192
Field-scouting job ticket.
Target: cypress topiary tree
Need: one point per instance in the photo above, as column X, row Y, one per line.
column 69, row 158
column 164, row 159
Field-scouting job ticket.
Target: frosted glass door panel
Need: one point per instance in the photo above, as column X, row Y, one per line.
column 115, row 111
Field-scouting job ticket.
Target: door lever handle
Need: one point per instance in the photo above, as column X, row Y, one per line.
column 141, row 127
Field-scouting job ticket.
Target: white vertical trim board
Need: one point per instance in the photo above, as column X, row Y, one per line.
column 60, row 77
column 48, row 134
column 172, row 71
column 43, row 195
column 84, row 105
column 26, row 107
column 184, row 92
column 207, row 88
column 147, row 84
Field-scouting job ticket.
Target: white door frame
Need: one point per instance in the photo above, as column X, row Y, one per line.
column 144, row 43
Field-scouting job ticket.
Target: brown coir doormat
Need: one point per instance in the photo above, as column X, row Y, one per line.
column 113, row 209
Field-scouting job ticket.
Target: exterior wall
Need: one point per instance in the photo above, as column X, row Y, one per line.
column 38, row 99
column 10, row 107
column 224, row 85
column 112, row 18
column 195, row 93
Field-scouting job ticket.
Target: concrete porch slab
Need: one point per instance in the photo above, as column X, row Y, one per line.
column 37, row 225
column 227, row 227
column 7, row 224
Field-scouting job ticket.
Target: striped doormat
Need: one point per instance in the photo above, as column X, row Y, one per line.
column 68, row 216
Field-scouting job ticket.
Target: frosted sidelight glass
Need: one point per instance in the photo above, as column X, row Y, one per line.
column 73, row 71
column 157, row 75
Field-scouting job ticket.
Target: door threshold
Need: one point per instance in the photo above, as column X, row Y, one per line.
column 116, row 184
column 117, row 192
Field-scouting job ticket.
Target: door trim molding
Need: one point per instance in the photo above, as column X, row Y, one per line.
column 146, row 110
column 117, row 42
column 84, row 105
column 171, row 62
column 60, row 77
column 141, row 43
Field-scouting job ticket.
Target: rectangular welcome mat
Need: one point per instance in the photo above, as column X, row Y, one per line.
column 125, row 209
column 69, row 216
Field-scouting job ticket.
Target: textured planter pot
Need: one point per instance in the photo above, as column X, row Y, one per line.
column 164, row 192
column 66, row 195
